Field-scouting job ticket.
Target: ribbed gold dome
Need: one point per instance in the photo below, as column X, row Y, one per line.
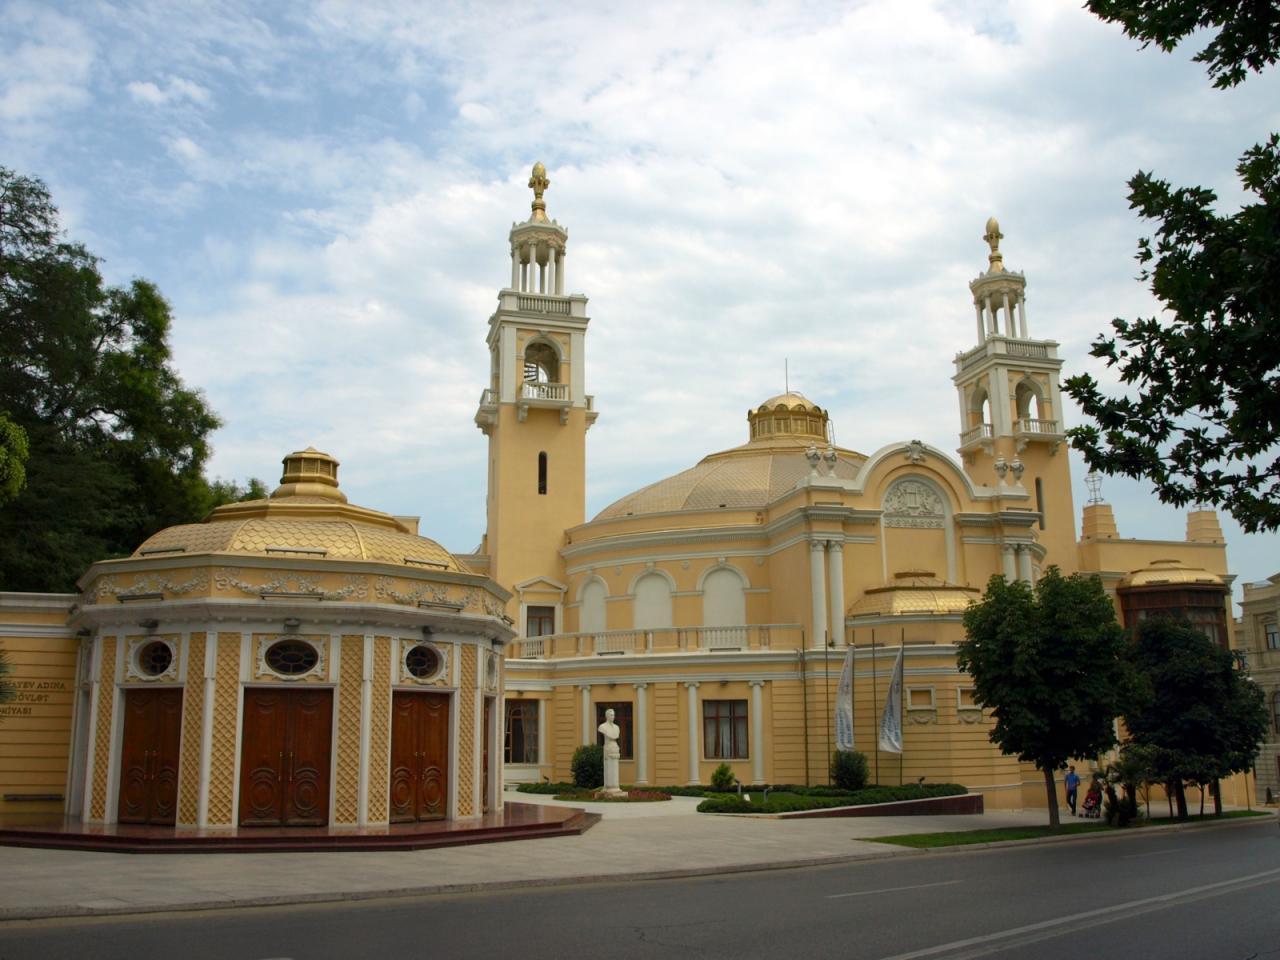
column 306, row 516
column 791, row 415
column 1169, row 572
column 914, row 592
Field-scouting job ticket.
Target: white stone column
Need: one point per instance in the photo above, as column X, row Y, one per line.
column 1022, row 317
column 1010, row 573
column 1024, row 562
column 531, row 277
column 835, row 576
column 1010, row 328
column 560, row 272
column 515, row 268
column 991, row 317
column 694, row 750
column 588, row 728
column 366, row 732
column 757, row 731
column 982, row 333
column 551, row 270
column 640, row 733
column 817, row 585
column 206, row 724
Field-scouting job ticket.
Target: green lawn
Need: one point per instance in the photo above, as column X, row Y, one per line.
column 1073, row 827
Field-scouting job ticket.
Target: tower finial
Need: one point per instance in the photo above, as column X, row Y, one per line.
column 993, row 236
column 539, row 182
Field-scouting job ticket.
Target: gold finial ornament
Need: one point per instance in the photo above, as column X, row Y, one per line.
column 538, row 182
column 993, row 236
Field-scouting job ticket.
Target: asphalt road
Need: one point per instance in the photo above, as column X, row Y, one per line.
column 1194, row 894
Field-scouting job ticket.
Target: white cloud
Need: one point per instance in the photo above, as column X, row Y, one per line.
column 174, row 90
column 45, row 63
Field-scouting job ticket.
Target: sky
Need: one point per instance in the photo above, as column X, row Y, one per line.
column 323, row 193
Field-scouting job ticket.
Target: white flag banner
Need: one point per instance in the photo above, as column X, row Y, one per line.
column 844, row 705
column 891, row 719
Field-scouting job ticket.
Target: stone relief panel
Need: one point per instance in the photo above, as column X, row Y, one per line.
column 146, row 585
column 913, row 503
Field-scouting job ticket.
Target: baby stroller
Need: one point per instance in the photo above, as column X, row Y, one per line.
column 1093, row 802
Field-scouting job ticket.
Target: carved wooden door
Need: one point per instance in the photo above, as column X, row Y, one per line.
column 419, row 756
column 284, row 764
column 149, row 756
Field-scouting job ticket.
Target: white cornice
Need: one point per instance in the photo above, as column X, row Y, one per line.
column 37, row 602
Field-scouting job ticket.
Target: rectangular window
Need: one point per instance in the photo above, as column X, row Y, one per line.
column 724, row 729
column 1272, row 631
column 622, row 717
column 540, row 621
column 522, row 732
column 966, row 698
column 920, row 698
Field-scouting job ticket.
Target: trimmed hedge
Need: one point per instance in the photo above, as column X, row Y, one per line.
column 785, row 801
column 548, row 788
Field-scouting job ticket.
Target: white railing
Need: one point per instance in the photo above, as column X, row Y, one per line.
column 1036, row 351
column 544, row 391
column 972, row 357
column 536, row 303
column 661, row 640
column 982, row 431
column 1027, row 425
column 488, row 398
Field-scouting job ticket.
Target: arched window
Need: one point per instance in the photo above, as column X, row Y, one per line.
column 979, row 408
column 652, row 602
column 542, row 473
column 591, row 615
column 723, row 602
column 1027, row 399
column 541, row 363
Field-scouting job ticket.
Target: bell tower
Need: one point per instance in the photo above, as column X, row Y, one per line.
column 536, row 413
column 1011, row 429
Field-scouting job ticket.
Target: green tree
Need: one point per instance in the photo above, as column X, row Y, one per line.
column 117, row 443
column 1203, row 423
column 14, row 451
column 1049, row 664
column 1197, row 718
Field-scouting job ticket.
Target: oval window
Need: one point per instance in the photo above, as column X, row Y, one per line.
column 422, row 661
column 292, row 658
column 155, row 658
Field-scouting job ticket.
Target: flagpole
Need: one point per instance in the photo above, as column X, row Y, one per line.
column 902, row 754
column 875, row 702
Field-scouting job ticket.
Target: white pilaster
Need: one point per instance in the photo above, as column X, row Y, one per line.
column 95, row 687
column 757, row 731
column 691, row 689
column 588, row 729
column 817, row 585
column 1010, row 571
column 835, row 575
column 640, row 735
column 206, row 723
column 366, row 705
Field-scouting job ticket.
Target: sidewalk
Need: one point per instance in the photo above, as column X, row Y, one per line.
column 635, row 841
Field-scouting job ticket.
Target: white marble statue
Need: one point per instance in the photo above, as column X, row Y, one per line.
column 609, row 730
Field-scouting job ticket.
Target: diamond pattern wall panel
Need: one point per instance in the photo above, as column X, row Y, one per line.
column 102, row 730
column 380, row 731
column 226, row 702
column 467, row 693
column 346, row 787
column 192, row 729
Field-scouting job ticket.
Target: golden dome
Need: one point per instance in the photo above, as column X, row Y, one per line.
column 789, row 414
column 308, row 517
column 917, row 593
column 751, row 476
column 1163, row 573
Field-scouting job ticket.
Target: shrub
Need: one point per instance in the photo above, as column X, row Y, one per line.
column 722, row 778
column 786, row 802
column 547, row 788
column 849, row 769
column 588, row 766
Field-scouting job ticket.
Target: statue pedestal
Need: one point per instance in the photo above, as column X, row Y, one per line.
column 611, row 771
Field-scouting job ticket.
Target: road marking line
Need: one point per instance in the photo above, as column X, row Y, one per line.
column 1077, row 917
column 868, row 893
column 1153, row 853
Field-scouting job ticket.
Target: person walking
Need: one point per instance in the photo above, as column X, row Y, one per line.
column 1072, row 782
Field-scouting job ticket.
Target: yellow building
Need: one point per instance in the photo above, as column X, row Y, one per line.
column 293, row 661
column 713, row 610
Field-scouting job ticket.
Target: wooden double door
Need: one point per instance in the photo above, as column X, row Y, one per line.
column 284, row 766
column 419, row 756
column 149, row 756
